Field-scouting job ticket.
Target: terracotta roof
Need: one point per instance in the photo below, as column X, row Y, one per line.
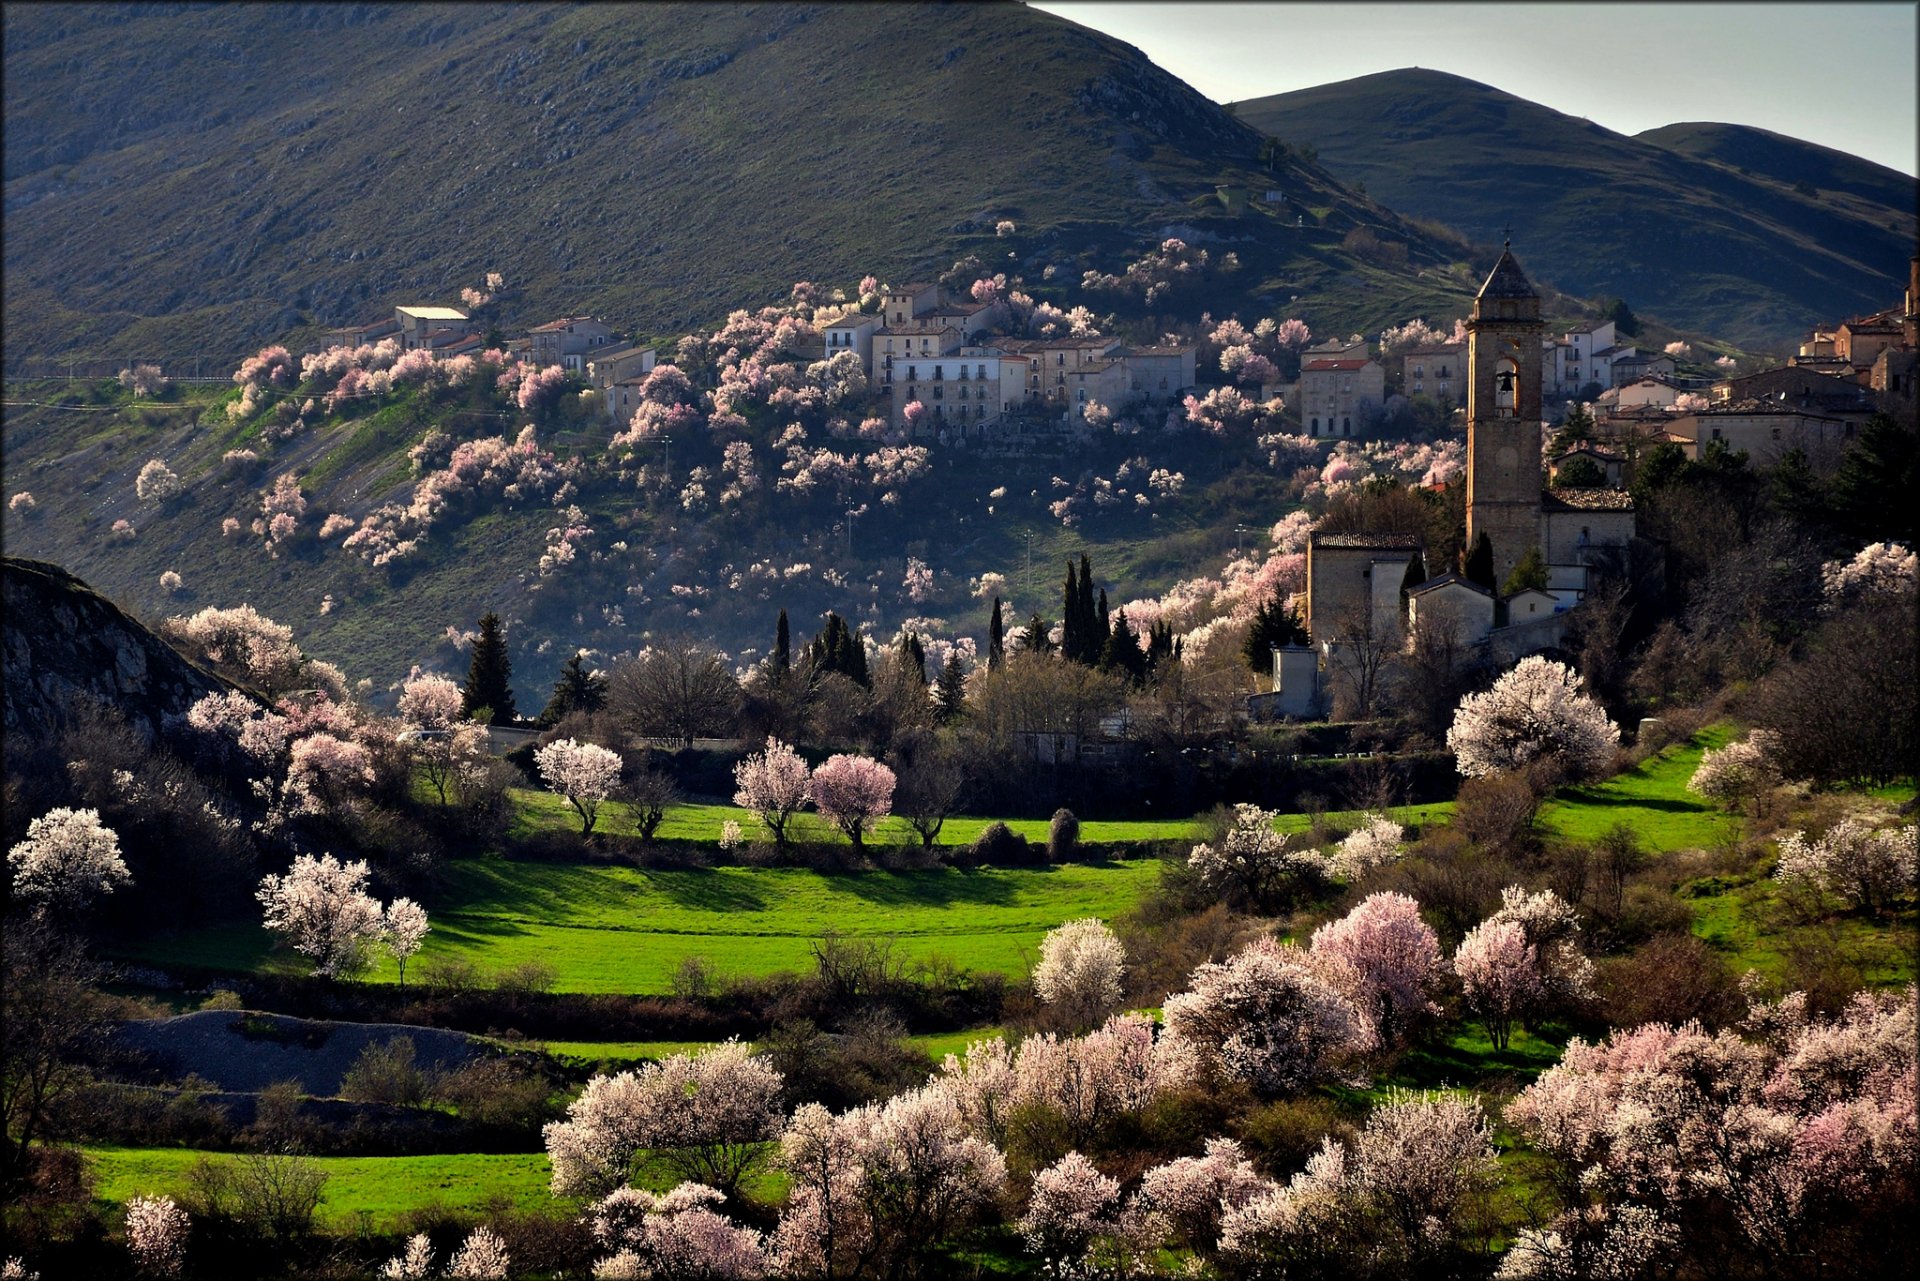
column 1587, row 500
column 1437, row 349
column 854, row 318
column 1335, row 366
column 1379, row 542
column 1506, row 280
column 554, row 326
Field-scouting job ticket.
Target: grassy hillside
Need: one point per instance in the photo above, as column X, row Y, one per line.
column 1750, row 236
column 247, row 170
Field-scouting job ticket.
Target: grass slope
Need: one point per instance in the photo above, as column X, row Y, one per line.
column 1701, row 233
column 617, row 929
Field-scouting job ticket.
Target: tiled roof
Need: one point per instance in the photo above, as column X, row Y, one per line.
column 1381, row 542
column 1448, row 580
column 1335, row 366
column 555, row 326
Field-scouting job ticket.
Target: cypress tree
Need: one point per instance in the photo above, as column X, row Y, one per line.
column 996, row 639
column 1092, row 637
column 1159, row 644
column 1478, row 567
column 782, row 645
column 950, row 690
column 1103, row 626
column 1416, row 574
column 1530, row 571
column 1037, row 639
column 1070, row 617
column 490, row 674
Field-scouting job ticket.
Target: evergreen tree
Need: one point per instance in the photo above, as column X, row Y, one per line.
column 1159, row 644
column 1037, row 639
column 1795, row 491
column 1416, row 574
column 1103, row 626
column 1478, row 566
column 577, row 690
column 950, row 690
column 1873, row 489
column 1070, row 617
column 1574, row 428
column 1530, row 572
column 1122, row 652
column 782, row 646
column 914, row 656
column 1273, row 625
column 996, row 639
column 839, row 648
column 1092, row 637
column 490, row 674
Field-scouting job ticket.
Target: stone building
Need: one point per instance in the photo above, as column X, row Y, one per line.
column 1503, row 416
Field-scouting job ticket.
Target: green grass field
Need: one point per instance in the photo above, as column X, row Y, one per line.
column 380, row 1187
column 1652, row 798
column 936, row 1045
column 619, row 929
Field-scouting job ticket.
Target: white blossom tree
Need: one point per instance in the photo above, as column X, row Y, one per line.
column 1254, row 865
column 1079, row 972
column 1534, row 712
column 68, row 858
column 415, row 1263
column 678, row 1233
column 584, row 773
column 1739, row 771
column 157, row 1235
column 1865, row 866
column 483, row 1257
column 852, row 793
column 403, row 930
column 322, row 907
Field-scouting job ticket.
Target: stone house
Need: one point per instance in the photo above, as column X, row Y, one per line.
column 568, row 341
column 1337, row 395
column 415, row 324
column 1438, row 370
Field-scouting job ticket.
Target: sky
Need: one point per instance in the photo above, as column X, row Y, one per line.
column 1841, row 75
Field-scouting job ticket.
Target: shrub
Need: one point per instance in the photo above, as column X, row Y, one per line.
column 1001, row 846
column 1063, row 836
column 386, row 1073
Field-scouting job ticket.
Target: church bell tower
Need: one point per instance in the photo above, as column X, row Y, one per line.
column 1503, row 416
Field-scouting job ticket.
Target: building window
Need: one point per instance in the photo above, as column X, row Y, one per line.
column 1346, row 426
column 980, row 371
column 1315, row 428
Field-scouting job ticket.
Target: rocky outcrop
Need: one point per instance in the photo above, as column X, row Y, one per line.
column 64, row 641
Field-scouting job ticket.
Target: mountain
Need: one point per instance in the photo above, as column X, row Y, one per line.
column 191, row 181
column 1745, row 235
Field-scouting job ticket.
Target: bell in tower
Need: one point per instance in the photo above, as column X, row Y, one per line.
column 1503, row 415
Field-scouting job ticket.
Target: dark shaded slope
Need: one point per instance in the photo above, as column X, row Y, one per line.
column 64, row 640
column 1697, row 243
column 185, row 181
column 1765, row 154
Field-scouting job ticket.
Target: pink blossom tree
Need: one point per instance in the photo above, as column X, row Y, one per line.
column 1393, row 956
column 584, row 773
column 69, row 858
column 706, row 1115
column 403, row 930
column 852, row 793
column 678, row 1233
column 1071, row 1204
column 1500, row 975
column 1534, row 712
column 321, row 905
column 773, row 783
column 157, row 483
column 1265, row 1017
column 1181, row 1204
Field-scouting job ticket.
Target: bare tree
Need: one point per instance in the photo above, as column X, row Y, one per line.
column 677, row 690
column 1362, row 646
column 649, row 793
column 1432, row 674
column 928, row 792
column 53, row 1015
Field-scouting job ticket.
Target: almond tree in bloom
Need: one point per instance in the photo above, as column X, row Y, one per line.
column 143, row 380
column 678, row 1233
column 171, row 583
column 1739, row 771
column 584, row 773
column 704, row 1115
column 443, row 742
column 1182, row 1203
column 403, row 929
column 415, row 1263
column 1878, row 569
column 1264, row 1016
column 69, row 858
column 919, row 580
column 852, row 793
column 874, row 1188
column 1552, row 927
column 774, row 784
column 157, row 1235
column 1500, row 974
column 322, row 906
column 483, row 1257
column 1079, row 971
column 1393, row 957
column 281, row 508
column 1534, row 712
column 1072, row 1203
column 1253, row 865
column 246, row 643
column 22, row 503
column 1866, row 867
column 1801, row 1136
column 1373, row 845
column 156, row 482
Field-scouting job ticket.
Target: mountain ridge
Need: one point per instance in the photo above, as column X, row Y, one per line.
column 1687, row 237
